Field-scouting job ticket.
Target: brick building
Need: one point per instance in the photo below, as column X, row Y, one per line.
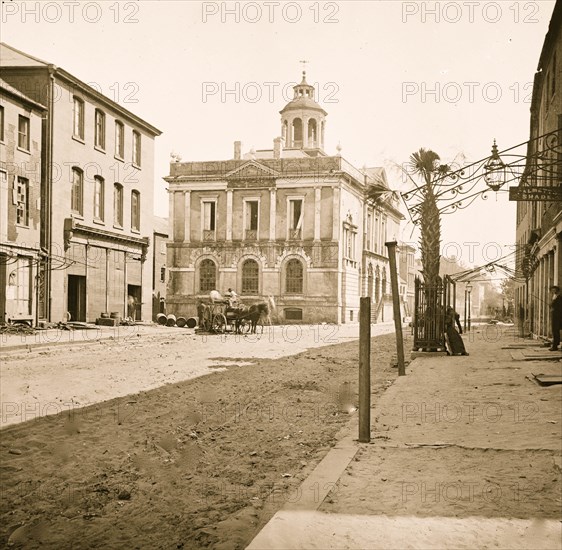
column 97, row 195
column 20, row 203
column 291, row 222
column 539, row 224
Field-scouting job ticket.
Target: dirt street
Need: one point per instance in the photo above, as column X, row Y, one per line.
column 62, row 378
column 191, row 464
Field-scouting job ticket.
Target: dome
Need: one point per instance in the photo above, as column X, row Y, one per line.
column 303, row 98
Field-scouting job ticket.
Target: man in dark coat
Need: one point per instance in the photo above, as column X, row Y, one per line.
column 556, row 316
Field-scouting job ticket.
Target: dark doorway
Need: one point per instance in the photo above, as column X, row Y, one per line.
column 134, row 308
column 77, row 297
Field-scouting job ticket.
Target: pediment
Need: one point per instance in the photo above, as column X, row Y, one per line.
column 252, row 170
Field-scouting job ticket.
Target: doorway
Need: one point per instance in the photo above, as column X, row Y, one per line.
column 77, row 297
column 134, row 309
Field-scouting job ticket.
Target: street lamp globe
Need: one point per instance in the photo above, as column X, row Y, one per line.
column 495, row 170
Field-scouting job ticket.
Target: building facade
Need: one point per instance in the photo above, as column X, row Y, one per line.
column 160, row 269
column 289, row 222
column 20, row 204
column 97, row 196
column 539, row 224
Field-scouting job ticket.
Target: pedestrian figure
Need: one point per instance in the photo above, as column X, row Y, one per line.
column 556, row 316
column 232, row 298
column 200, row 312
column 456, row 345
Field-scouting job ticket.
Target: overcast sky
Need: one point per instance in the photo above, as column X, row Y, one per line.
column 393, row 76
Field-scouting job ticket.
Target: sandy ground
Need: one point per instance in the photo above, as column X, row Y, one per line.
column 195, row 463
column 62, row 378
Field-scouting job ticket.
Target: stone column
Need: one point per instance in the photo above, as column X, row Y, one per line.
column 317, row 211
column 187, row 217
column 229, row 214
column 336, row 214
column 272, row 213
column 171, row 196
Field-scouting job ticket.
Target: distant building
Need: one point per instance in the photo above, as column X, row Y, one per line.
column 160, row 269
column 539, row 224
column 291, row 222
column 408, row 272
column 96, row 198
column 20, row 204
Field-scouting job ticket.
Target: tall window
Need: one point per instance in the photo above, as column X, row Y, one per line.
column 209, row 220
column 119, row 139
column 78, row 118
column 1, row 123
column 369, row 231
column 100, row 129
column 250, row 277
column 251, row 214
column 22, row 207
column 23, row 133
column 98, row 198
column 295, row 218
column 294, row 277
column 135, row 210
column 118, row 205
column 207, row 276
column 77, row 191
column 136, row 148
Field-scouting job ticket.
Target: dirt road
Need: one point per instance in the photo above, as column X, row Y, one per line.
column 193, row 464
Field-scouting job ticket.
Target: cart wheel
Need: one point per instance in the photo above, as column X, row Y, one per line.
column 219, row 323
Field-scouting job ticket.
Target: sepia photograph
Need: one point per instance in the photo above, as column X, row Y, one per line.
column 281, row 274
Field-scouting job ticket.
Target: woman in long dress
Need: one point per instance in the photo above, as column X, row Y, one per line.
column 456, row 344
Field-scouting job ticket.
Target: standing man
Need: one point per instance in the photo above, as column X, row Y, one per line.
column 556, row 316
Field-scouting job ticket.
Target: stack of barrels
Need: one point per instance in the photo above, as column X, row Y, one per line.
column 171, row 320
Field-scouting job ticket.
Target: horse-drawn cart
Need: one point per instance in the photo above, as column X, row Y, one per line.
column 219, row 317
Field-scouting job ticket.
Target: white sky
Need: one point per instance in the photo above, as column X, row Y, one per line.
column 365, row 57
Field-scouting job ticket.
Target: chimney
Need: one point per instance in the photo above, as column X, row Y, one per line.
column 277, row 147
column 237, row 150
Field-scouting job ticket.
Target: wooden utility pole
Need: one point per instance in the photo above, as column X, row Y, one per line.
column 365, row 370
column 396, row 306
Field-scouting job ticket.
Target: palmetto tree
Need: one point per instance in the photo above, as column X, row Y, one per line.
column 425, row 164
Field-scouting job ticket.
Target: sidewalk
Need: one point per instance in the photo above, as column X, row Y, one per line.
column 465, row 453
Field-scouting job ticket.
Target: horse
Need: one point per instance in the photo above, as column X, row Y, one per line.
column 255, row 313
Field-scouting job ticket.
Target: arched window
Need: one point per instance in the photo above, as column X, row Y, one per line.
column 297, row 132
column 370, row 281
column 135, row 210
column 384, row 289
column 207, row 276
column 378, row 285
column 250, row 277
column 312, row 133
column 77, row 191
column 294, row 277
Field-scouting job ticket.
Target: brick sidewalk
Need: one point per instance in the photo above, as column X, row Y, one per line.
column 465, row 453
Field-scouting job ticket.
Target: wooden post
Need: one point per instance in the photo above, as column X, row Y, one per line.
column 396, row 306
column 365, row 370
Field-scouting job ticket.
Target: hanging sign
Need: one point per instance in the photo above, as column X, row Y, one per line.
column 535, row 194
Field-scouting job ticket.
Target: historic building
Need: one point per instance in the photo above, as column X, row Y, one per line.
column 97, row 174
column 20, row 204
column 539, row 224
column 291, row 222
column 159, row 269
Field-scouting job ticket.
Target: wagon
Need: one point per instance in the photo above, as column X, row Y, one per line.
column 219, row 318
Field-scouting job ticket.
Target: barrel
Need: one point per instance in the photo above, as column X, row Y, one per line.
column 104, row 315
column 181, row 322
column 171, row 320
column 115, row 315
column 192, row 322
column 161, row 319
